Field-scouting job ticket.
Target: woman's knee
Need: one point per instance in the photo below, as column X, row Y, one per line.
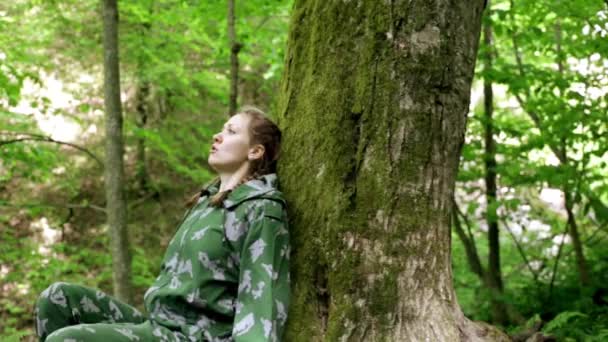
column 71, row 333
column 53, row 296
column 56, row 287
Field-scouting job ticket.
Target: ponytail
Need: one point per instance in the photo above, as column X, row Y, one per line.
column 218, row 198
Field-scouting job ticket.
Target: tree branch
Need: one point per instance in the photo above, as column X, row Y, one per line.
column 468, row 242
column 522, row 253
column 559, row 253
column 54, row 205
column 560, row 154
column 38, row 137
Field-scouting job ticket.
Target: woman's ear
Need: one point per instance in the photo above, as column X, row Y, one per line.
column 256, row 152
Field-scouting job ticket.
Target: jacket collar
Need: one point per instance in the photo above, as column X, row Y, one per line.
column 262, row 187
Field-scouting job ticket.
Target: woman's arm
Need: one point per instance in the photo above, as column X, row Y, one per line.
column 263, row 293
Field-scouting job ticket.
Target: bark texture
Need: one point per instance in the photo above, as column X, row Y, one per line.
column 114, row 172
column 373, row 109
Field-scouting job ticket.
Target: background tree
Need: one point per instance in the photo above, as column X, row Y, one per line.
column 499, row 310
column 52, row 220
column 116, row 205
column 548, row 87
column 235, row 47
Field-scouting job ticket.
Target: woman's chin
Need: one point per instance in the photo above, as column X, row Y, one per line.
column 218, row 166
column 212, row 162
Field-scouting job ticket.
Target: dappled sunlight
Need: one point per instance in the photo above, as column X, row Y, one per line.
column 554, row 198
column 46, row 102
column 558, row 240
column 47, row 236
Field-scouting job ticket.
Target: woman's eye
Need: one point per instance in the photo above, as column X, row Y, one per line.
column 231, row 131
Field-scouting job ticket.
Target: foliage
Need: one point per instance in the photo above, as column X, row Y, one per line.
column 51, row 86
column 14, row 337
column 550, row 63
column 576, row 326
column 550, row 98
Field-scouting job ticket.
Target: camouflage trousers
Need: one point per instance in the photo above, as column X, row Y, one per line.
column 73, row 313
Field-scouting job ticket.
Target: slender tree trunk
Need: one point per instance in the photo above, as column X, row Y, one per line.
column 373, row 109
column 141, row 171
column 494, row 274
column 142, row 110
column 572, row 226
column 235, row 47
column 114, row 174
column 581, row 263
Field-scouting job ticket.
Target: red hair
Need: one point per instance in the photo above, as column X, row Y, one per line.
column 261, row 131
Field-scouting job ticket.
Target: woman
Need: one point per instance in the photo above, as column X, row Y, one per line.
column 225, row 274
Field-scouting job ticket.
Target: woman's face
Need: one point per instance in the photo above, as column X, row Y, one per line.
column 230, row 149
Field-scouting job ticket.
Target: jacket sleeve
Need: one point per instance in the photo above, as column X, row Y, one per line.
column 263, row 292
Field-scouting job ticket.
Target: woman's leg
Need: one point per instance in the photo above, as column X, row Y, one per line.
column 116, row 332
column 63, row 304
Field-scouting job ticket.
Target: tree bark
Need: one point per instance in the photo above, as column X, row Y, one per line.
column 114, row 173
column 373, row 109
column 235, row 47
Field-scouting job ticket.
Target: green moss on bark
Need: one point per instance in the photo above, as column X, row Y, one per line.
column 372, row 123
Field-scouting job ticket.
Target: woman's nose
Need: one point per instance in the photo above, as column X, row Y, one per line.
column 217, row 137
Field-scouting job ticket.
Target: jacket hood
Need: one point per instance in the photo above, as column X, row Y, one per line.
column 262, row 187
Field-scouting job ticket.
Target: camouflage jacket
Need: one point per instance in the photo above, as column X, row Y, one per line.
column 225, row 274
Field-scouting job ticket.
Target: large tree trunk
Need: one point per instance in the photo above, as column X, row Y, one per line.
column 373, row 109
column 114, row 174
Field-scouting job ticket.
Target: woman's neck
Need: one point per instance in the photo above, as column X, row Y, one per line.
column 230, row 180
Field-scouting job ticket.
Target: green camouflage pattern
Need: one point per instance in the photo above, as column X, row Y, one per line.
column 224, row 277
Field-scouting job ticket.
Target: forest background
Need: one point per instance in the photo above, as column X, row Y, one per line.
column 529, row 245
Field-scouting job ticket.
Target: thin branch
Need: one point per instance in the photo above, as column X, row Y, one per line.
column 532, row 114
column 72, row 206
column 469, row 244
column 263, row 22
column 54, row 205
column 42, row 138
column 467, row 223
column 141, row 200
column 522, row 253
column 559, row 254
column 599, row 228
column 560, row 154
